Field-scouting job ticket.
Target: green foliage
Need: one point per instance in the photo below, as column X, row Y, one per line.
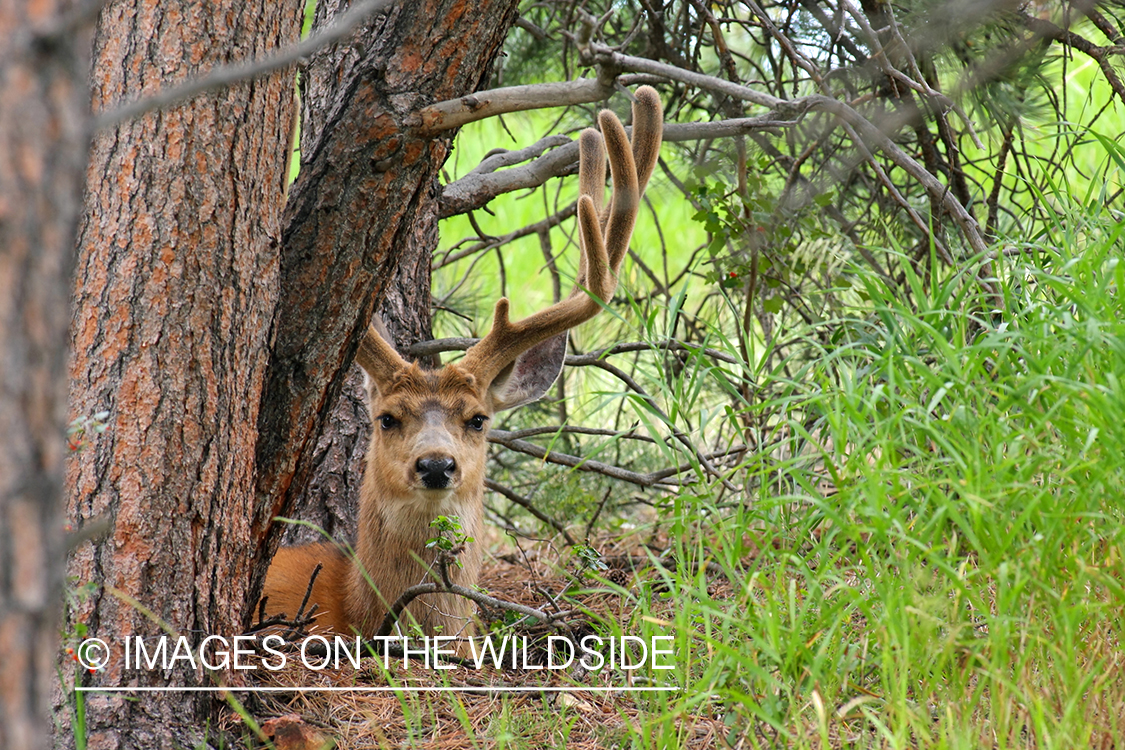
column 450, row 536
column 924, row 546
column 930, row 547
column 589, row 559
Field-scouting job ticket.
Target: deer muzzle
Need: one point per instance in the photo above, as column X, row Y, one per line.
column 436, row 472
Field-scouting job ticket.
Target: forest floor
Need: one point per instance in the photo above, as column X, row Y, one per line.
column 574, row 709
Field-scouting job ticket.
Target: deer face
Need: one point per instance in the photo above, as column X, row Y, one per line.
column 429, row 434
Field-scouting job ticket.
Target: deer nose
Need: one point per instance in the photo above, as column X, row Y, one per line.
column 436, row 472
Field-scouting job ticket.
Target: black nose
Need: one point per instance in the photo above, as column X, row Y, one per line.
column 435, row 471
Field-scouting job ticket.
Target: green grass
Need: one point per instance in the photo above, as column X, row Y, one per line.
column 929, row 550
column 936, row 525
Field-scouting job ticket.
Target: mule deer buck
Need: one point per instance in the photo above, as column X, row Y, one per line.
column 429, row 443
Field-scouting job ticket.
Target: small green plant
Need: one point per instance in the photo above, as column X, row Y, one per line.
column 590, row 560
column 450, row 536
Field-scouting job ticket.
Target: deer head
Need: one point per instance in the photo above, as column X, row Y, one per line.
column 430, row 426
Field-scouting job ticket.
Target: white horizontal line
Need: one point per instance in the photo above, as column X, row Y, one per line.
column 404, row 689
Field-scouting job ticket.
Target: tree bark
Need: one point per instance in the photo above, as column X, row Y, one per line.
column 362, row 223
column 43, row 124
column 176, row 288
column 331, row 497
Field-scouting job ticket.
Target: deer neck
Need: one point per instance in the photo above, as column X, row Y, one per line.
column 392, row 553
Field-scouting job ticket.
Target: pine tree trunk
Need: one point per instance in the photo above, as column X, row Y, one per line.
column 330, row 498
column 43, row 126
column 367, row 194
column 176, row 287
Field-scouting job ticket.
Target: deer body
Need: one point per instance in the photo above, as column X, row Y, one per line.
column 429, row 443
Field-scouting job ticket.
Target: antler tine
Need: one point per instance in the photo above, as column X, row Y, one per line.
column 591, row 167
column 648, row 132
column 591, row 183
column 626, row 190
column 601, row 251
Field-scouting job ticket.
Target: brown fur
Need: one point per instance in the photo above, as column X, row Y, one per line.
column 431, row 415
column 395, row 516
column 293, row 564
column 432, row 408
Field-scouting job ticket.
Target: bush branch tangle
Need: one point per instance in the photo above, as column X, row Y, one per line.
column 869, row 98
column 809, row 137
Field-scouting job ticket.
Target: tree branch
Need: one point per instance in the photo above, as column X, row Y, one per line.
column 477, row 188
column 460, row 344
column 871, row 135
column 445, row 587
column 231, row 74
column 1101, row 55
column 540, row 227
column 457, row 112
column 606, row 56
column 658, row 480
column 524, row 503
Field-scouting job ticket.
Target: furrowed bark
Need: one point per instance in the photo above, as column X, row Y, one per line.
column 176, row 288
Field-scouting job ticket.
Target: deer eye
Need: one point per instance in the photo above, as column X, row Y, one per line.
column 387, row 422
column 477, row 422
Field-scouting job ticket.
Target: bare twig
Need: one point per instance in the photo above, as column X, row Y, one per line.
column 576, row 430
column 1102, row 55
column 92, row 529
column 295, row 625
column 501, row 437
column 603, row 55
column 524, row 503
column 437, row 346
column 446, row 587
column 502, row 158
column 538, row 227
column 476, row 189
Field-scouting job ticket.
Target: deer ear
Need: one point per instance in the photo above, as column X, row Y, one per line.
column 378, row 357
column 531, row 375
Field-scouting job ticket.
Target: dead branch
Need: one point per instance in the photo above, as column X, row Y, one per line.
column 457, row 112
column 655, row 480
column 629, row 434
column 524, row 503
column 539, row 227
column 446, row 587
column 437, row 346
column 1103, row 56
column 293, row 626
